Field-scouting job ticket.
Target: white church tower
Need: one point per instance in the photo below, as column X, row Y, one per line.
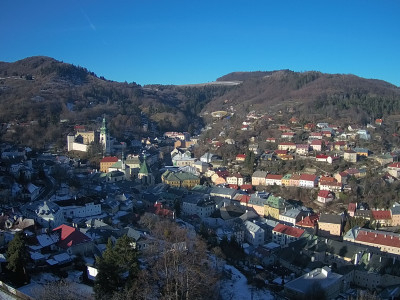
column 105, row 137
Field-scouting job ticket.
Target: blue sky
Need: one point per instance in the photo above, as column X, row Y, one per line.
column 190, row 41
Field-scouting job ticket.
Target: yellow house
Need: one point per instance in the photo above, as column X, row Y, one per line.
column 272, row 207
column 286, row 179
column 180, row 179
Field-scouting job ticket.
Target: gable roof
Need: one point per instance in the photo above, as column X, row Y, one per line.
column 109, row 159
column 288, row 230
column 378, row 237
column 308, row 177
column 309, row 221
column 70, row 236
column 381, row 214
column 324, row 193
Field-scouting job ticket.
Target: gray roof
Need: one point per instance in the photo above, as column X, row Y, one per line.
column 395, row 210
column 324, row 276
column 328, row 218
column 260, row 174
column 223, row 191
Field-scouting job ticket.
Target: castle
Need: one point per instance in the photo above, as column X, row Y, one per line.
column 82, row 138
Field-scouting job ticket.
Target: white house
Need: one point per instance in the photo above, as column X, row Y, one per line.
column 88, row 210
column 253, row 234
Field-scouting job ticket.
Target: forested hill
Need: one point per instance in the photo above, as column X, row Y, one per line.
column 336, row 95
column 39, row 92
column 43, row 99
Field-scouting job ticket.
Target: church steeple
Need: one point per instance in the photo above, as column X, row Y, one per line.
column 105, row 137
column 144, row 175
column 103, row 129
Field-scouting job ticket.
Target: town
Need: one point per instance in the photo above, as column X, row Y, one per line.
column 303, row 225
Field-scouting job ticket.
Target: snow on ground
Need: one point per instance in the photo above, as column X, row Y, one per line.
column 5, row 296
column 237, row 287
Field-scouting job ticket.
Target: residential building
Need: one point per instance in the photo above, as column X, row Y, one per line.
column 317, row 145
column 342, row 177
column 47, row 214
column 310, row 221
column 384, row 240
column 302, row 149
column 273, row 206
column 253, row 234
column 394, row 169
column 223, row 192
column 257, row 203
column 294, row 180
column 331, row 283
column 107, row 162
column 287, row 146
column 180, row 179
column 236, row 179
column 395, row 213
column 350, row 156
column 241, row 157
column 291, row 216
column 330, row 186
column 197, row 204
column 84, row 211
column 308, row 180
column 73, row 241
column 340, row 145
column 201, row 166
column 284, row 235
column 351, row 209
column 286, row 179
column 315, row 136
column 382, row 217
column 329, row 224
column 325, row 196
column 287, row 135
column 272, row 179
column 258, row 178
column 362, row 151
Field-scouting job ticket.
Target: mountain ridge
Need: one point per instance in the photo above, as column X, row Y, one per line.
column 45, row 90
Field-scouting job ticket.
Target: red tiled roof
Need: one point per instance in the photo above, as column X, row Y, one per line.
column 308, row 177
column 321, row 156
column 280, row 152
column 288, row 230
column 109, row 159
column 352, row 207
column 315, row 134
column 394, row 165
column 381, row 214
column 309, row 221
column 378, row 238
column 241, row 156
column 324, row 179
column 233, row 186
column 324, row 193
column 70, row 236
column 274, row 177
column 316, row 143
column 246, row 186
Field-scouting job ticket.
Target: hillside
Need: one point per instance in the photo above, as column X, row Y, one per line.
column 37, row 93
column 41, row 99
column 337, row 95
